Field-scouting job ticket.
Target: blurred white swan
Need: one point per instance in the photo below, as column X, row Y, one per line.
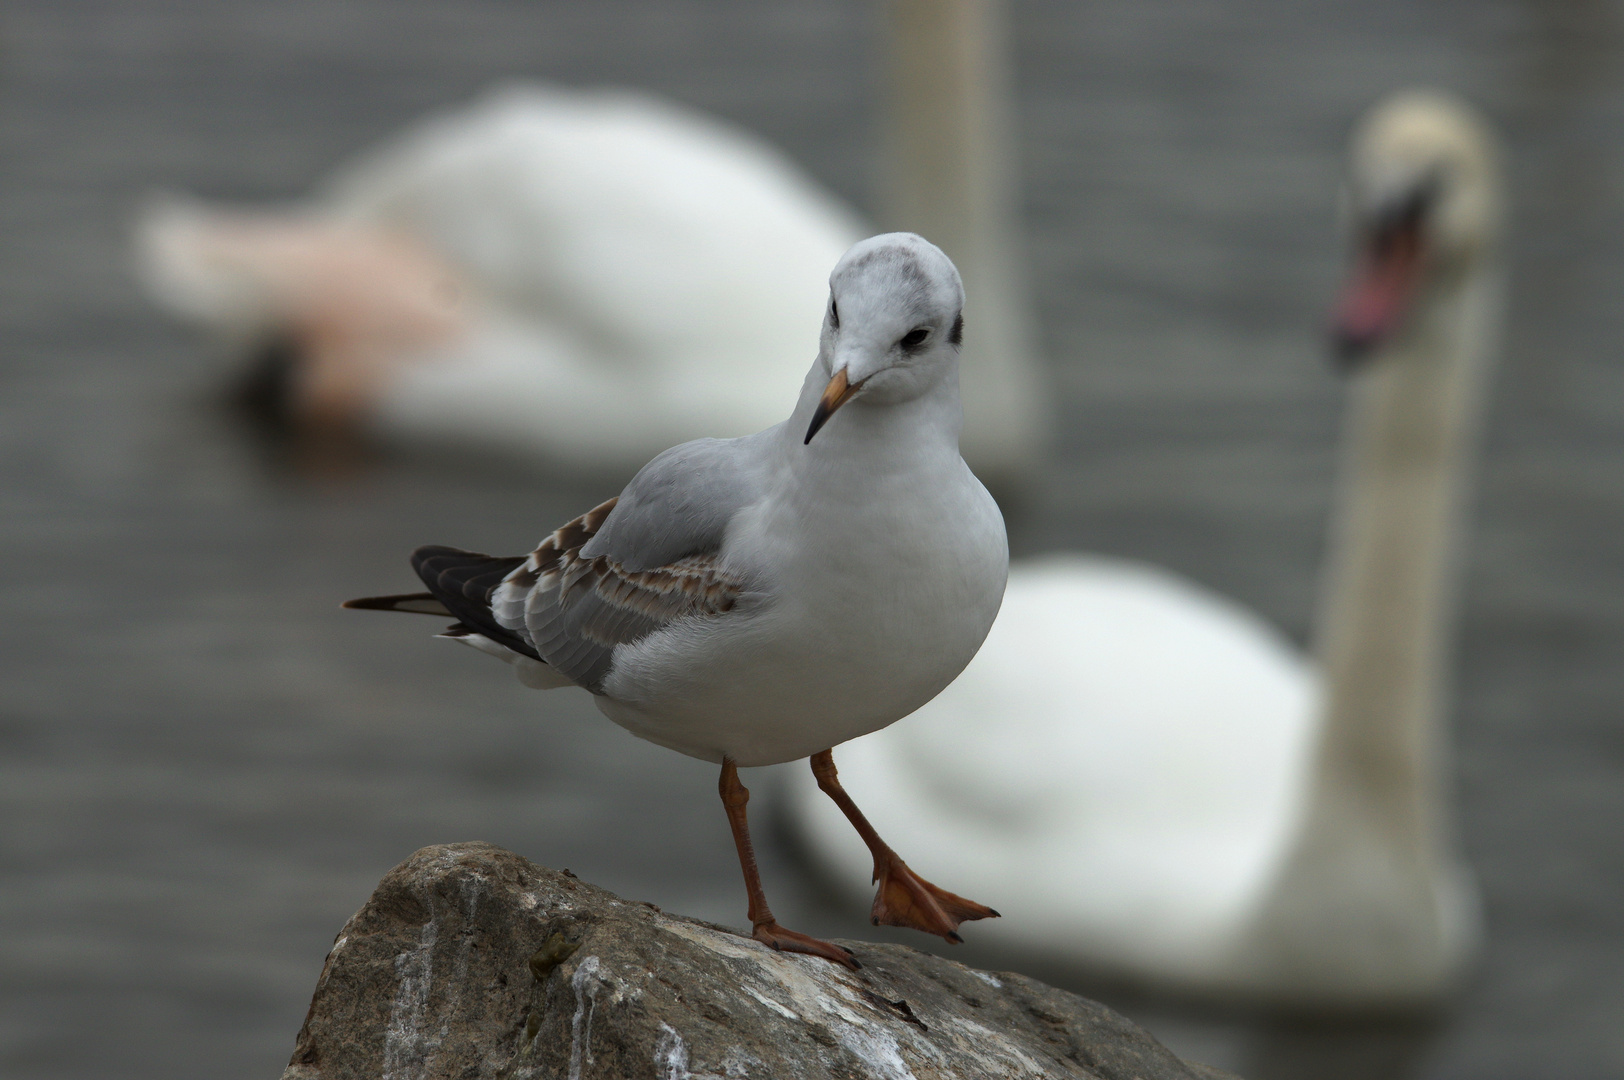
column 1145, row 777
column 589, row 277
column 585, row 276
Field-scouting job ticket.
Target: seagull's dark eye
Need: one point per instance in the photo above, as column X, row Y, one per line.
column 915, row 337
column 834, row 314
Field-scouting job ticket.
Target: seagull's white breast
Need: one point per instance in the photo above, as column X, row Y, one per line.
column 867, row 610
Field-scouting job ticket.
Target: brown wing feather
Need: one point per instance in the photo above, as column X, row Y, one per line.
column 575, row 610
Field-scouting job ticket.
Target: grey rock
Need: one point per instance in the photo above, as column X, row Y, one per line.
column 471, row 962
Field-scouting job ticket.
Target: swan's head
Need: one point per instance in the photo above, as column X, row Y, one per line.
column 893, row 326
column 1423, row 204
column 344, row 305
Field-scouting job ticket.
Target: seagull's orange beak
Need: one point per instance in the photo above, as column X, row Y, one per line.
column 836, row 394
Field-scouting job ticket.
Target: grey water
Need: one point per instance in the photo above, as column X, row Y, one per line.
column 205, row 766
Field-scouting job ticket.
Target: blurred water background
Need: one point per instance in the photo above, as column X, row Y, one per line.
column 205, row 766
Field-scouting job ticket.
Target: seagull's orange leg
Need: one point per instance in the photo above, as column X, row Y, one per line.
column 904, row 898
column 765, row 928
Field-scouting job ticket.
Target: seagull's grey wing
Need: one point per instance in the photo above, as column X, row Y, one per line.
column 635, row 564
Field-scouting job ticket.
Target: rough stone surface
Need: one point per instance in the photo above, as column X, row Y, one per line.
column 471, row 962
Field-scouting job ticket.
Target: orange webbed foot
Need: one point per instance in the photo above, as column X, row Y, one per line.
column 770, row 933
column 906, row 899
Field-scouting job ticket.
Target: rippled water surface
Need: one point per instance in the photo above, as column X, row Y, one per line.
column 205, row 766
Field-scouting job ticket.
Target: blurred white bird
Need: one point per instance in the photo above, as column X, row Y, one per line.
column 587, row 277
column 1146, row 777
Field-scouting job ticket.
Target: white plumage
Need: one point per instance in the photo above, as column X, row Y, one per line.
column 1120, row 764
column 585, row 276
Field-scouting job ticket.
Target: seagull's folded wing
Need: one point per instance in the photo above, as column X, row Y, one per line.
column 633, row 565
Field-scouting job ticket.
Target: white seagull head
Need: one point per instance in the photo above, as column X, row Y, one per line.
column 893, row 326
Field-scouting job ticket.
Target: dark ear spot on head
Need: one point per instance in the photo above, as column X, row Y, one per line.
column 956, row 335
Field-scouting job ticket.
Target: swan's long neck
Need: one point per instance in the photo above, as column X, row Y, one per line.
column 1371, row 897
column 1387, row 621
column 949, row 176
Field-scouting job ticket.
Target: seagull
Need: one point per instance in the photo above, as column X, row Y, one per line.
column 756, row 600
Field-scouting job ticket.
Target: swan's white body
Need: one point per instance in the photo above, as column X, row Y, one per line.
column 1150, row 782
column 628, row 274
column 584, row 277
column 1120, row 765
column 649, row 274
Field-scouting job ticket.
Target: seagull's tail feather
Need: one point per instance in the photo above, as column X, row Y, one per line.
column 418, row 603
column 460, row 586
column 463, row 582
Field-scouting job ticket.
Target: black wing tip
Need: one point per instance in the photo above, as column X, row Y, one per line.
column 370, row 603
column 439, row 551
column 461, row 583
column 415, row 603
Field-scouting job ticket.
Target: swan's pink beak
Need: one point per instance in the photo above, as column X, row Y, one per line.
column 1380, row 293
